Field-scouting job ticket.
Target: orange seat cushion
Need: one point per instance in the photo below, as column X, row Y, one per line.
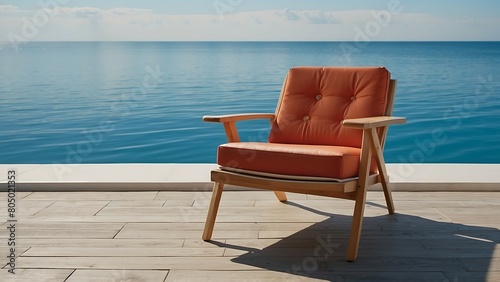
column 291, row 159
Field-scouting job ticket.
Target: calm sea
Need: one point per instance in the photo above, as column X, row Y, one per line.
column 143, row 102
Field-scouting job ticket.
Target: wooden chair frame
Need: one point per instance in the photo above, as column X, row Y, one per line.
column 374, row 134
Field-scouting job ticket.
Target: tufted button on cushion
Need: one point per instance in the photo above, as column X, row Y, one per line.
column 353, row 98
column 306, row 118
column 318, row 97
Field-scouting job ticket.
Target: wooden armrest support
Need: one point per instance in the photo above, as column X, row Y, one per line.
column 238, row 117
column 372, row 122
column 229, row 122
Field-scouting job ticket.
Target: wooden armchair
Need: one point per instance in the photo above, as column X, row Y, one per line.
column 327, row 137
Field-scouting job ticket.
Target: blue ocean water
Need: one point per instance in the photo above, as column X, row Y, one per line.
column 142, row 102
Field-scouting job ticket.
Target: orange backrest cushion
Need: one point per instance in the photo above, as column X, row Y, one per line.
column 315, row 101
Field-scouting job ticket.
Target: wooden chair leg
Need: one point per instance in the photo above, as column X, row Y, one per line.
column 212, row 211
column 281, row 196
column 357, row 223
column 382, row 171
column 359, row 207
column 388, row 197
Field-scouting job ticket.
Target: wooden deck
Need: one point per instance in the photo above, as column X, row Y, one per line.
column 155, row 236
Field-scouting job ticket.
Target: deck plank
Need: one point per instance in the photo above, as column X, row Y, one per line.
column 92, row 196
column 248, row 276
column 122, row 252
column 102, row 243
column 435, row 276
column 68, row 233
column 489, row 276
column 98, row 275
column 136, row 203
column 38, row 275
column 138, row 263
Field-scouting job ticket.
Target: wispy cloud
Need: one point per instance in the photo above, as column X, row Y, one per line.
column 81, row 12
column 91, row 23
column 130, row 11
column 311, row 17
column 5, row 8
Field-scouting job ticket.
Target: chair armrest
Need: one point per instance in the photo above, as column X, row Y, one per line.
column 372, row 122
column 238, row 117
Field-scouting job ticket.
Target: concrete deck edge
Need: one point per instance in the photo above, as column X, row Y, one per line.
column 196, row 177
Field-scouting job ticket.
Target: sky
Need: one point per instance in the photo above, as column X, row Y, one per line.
column 249, row 20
